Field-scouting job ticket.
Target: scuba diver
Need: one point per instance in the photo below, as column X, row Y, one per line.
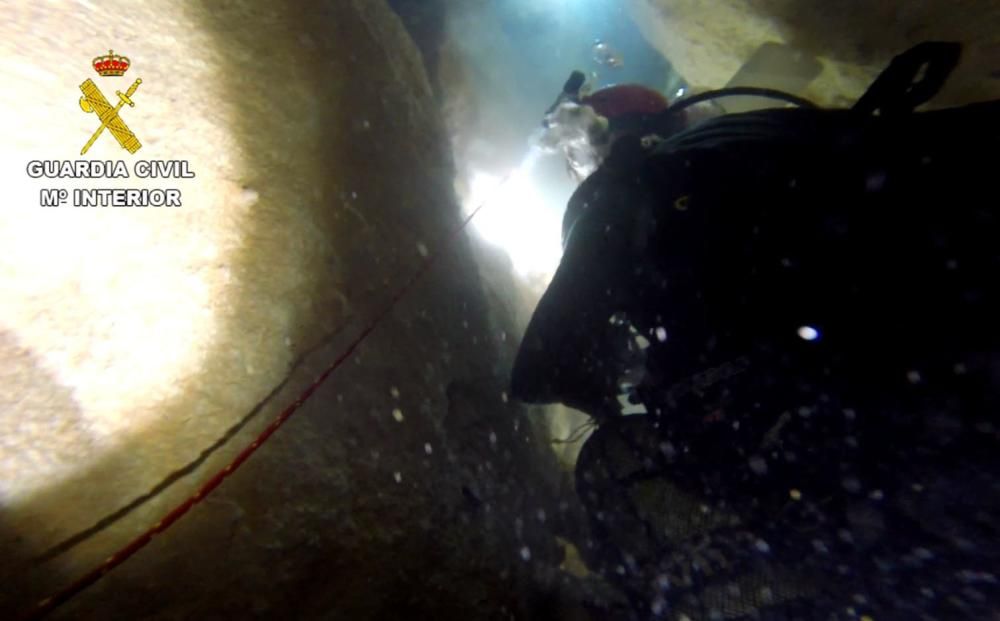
column 803, row 302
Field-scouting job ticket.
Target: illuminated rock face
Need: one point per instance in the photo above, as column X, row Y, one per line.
column 708, row 42
column 131, row 340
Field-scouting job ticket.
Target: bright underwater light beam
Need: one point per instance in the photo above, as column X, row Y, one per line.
column 517, row 219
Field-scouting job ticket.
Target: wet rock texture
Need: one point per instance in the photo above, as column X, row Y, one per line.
column 408, row 487
column 708, row 42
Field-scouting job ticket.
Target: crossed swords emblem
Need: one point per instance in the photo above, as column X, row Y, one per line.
column 93, row 101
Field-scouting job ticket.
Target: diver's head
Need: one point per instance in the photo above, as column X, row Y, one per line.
column 579, row 133
column 583, row 126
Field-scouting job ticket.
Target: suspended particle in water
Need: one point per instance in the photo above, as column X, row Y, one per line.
column 923, row 554
column 668, row 450
column 428, row 448
column 661, row 334
column 808, row 333
column 758, row 465
column 422, row 249
column 659, row 606
column 398, row 476
column 526, row 553
column 394, row 392
column 398, row 415
column 248, row 196
column 875, row 181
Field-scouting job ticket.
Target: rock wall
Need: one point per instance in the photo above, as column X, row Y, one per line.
column 133, row 341
column 708, row 42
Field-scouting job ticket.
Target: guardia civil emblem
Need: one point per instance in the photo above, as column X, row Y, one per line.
column 93, row 100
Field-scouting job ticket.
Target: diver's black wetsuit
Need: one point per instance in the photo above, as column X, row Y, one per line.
column 857, row 469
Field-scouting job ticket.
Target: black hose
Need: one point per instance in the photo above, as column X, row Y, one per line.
column 736, row 91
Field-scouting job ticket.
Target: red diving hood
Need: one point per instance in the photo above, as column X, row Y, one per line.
column 625, row 99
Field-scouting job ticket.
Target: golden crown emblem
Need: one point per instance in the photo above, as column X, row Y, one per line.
column 112, row 64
